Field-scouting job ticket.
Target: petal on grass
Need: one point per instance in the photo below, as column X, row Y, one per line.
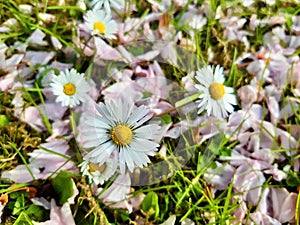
column 59, row 215
column 261, row 218
column 284, row 205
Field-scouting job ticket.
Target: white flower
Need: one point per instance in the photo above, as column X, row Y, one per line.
column 116, row 4
column 216, row 98
column 70, row 87
column 100, row 23
column 99, row 174
column 116, row 129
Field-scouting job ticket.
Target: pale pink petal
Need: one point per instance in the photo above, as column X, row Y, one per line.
column 264, row 203
column 148, row 55
column 105, row 51
column 32, row 117
column 262, row 219
column 12, row 62
column 254, row 22
column 220, row 177
column 284, row 205
column 175, row 131
column 118, row 189
column 272, row 137
column 187, row 221
column 59, row 215
column 289, row 107
column 41, row 201
column 59, row 128
column 277, row 174
column 248, row 95
column 280, row 19
column 170, row 221
column 34, row 58
column 47, row 17
column 56, row 43
column 7, row 82
column 117, row 195
column 1, row 210
column 53, row 111
column 37, row 38
column 117, row 90
column 42, row 163
column 241, row 211
column 20, row 174
column 249, row 181
column 127, row 31
column 273, row 107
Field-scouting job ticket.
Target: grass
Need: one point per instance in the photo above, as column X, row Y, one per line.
column 186, row 193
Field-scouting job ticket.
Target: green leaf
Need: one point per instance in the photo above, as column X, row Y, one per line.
column 35, row 212
column 225, row 151
column 147, row 94
column 136, row 50
column 293, row 179
column 23, row 219
column 166, row 118
column 3, row 120
column 150, row 204
column 19, row 205
column 124, row 216
column 82, row 218
column 63, row 186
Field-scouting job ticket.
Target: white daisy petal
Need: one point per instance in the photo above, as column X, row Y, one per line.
column 147, row 132
column 229, row 108
column 216, row 98
column 105, row 115
column 142, row 145
column 138, row 115
column 100, row 23
column 101, row 153
column 209, row 107
column 94, row 140
column 126, row 111
column 65, row 86
column 229, row 90
column 128, row 159
column 113, row 111
column 93, row 172
column 119, row 131
column 231, row 99
column 140, row 158
column 97, row 122
column 122, row 162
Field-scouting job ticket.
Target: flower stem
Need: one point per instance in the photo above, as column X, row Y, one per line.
column 180, row 103
column 73, row 123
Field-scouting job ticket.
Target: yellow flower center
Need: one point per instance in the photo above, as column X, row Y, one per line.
column 95, row 167
column 121, row 135
column 69, row 89
column 217, row 90
column 100, row 27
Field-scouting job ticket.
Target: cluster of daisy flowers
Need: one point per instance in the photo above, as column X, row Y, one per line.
column 118, row 132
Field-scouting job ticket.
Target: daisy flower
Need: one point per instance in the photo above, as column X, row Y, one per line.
column 116, row 4
column 216, row 98
column 99, row 174
column 100, row 23
column 70, row 87
column 117, row 129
